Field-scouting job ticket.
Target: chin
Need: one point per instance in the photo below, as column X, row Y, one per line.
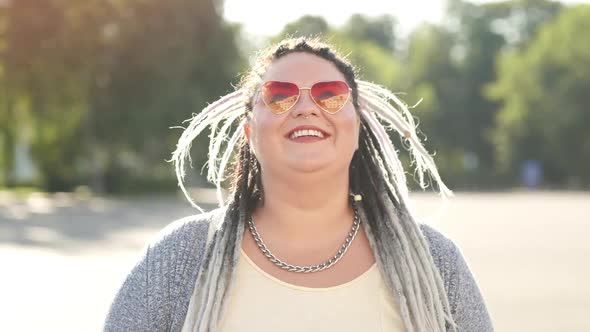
column 310, row 165
column 307, row 168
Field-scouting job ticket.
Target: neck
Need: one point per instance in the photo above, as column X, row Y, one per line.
column 305, row 207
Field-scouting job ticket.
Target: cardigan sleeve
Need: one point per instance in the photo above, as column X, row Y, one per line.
column 155, row 293
column 129, row 309
column 467, row 304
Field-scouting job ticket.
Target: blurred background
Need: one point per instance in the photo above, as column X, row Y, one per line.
column 90, row 92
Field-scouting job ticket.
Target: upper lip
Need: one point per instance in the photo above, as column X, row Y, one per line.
column 306, row 127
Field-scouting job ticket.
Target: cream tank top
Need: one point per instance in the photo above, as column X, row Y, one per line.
column 263, row 303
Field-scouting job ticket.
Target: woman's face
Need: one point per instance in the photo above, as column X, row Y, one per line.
column 270, row 135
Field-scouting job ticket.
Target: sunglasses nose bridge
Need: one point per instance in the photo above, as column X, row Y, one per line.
column 308, row 91
column 310, row 104
column 308, row 94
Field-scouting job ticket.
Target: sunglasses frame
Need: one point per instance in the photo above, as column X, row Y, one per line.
column 310, row 95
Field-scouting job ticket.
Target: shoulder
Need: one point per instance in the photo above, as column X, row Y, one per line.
column 467, row 303
column 445, row 252
column 180, row 246
column 446, row 256
column 174, row 256
column 162, row 277
column 187, row 230
column 441, row 245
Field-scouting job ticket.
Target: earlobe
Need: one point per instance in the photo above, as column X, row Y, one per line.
column 247, row 132
column 246, row 128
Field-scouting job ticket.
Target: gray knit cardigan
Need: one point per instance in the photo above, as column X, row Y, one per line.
column 156, row 293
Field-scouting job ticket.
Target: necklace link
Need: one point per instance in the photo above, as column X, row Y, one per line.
column 309, row 268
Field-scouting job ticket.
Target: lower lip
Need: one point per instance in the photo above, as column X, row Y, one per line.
column 307, row 139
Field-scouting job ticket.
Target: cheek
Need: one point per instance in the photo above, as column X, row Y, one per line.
column 348, row 123
column 263, row 128
column 264, row 124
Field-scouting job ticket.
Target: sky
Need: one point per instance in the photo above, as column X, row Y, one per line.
column 267, row 18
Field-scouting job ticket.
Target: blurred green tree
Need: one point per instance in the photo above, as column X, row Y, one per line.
column 6, row 132
column 380, row 30
column 433, row 76
column 305, row 26
column 169, row 60
column 448, row 65
column 99, row 84
column 95, row 86
column 46, row 95
column 544, row 92
column 369, row 43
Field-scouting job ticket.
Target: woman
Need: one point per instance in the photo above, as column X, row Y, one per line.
column 316, row 234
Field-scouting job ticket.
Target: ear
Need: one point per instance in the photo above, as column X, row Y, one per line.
column 247, row 128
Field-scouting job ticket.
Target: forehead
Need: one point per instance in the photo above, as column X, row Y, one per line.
column 302, row 69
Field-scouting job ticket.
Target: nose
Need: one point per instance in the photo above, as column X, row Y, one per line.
column 305, row 106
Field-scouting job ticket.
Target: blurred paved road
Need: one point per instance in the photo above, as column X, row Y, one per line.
column 63, row 258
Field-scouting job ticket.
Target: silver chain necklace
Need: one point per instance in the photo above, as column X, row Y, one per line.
column 309, row 268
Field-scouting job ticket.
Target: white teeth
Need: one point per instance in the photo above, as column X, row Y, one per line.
column 307, row 132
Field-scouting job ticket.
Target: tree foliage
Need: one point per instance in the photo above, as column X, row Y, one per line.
column 94, row 87
column 544, row 92
column 450, row 64
column 99, row 84
column 305, row 26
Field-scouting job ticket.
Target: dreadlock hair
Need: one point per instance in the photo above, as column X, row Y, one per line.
column 375, row 172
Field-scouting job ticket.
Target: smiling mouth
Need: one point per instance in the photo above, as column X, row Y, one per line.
column 306, row 132
column 307, row 135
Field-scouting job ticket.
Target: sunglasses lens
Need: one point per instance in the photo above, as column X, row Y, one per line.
column 330, row 96
column 279, row 97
